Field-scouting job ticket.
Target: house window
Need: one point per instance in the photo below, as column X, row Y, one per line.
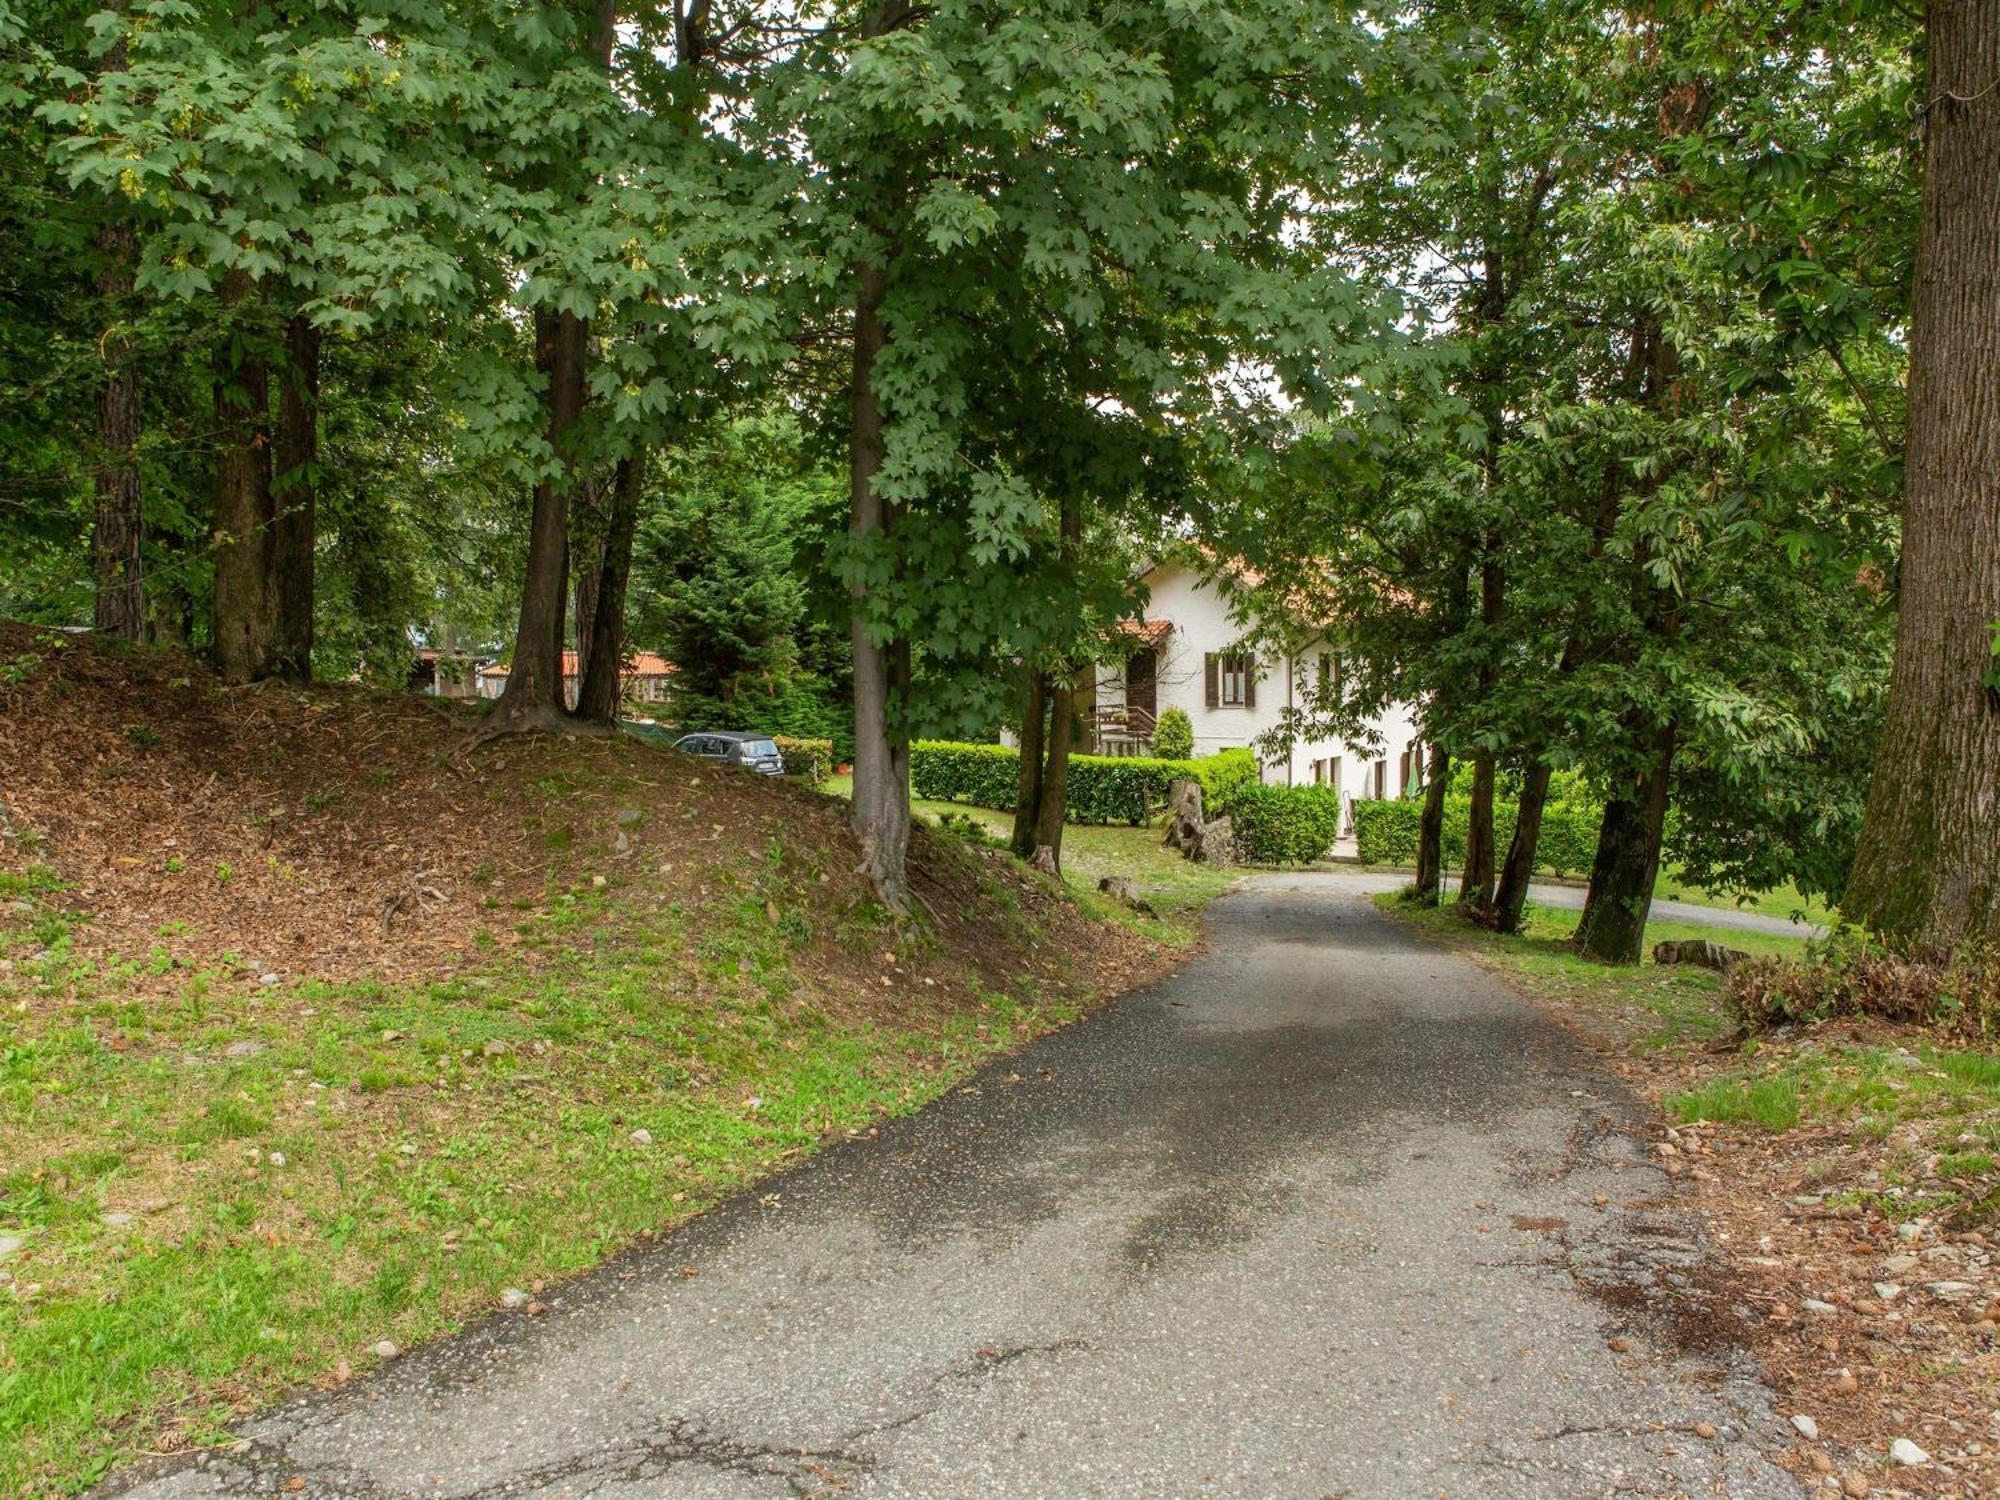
column 1328, row 688
column 1327, row 772
column 1231, row 681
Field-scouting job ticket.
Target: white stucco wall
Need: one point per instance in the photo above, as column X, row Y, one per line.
column 1202, row 625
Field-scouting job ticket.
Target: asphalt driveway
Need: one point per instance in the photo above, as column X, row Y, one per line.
column 1319, row 1216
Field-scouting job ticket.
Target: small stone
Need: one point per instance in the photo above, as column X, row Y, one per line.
column 629, row 817
column 407, row 1149
column 242, row 1049
column 1820, row 1309
column 642, row 1137
column 9, row 1243
column 385, row 1350
column 1807, row 1427
column 494, row 1048
column 1900, row 1265
column 1910, row 1232
column 513, row 1297
column 535, row 1309
column 1908, row 1454
column 598, row 882
column 1888, row 1291
column 1704, row 1429
column 269, row 979
column 116, row 1219
column 1953, row 1291
column 392, row 1035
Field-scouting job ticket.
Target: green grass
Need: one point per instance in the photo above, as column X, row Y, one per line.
column 1178, row 889
column 1786, row 902
column 1682, row 1003
column 298, row 1171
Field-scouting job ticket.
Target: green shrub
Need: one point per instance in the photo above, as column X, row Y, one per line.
column 1385, row 833
column 1281, row 825
column 1173, row 735
column 1101, row 788
column 812, row 759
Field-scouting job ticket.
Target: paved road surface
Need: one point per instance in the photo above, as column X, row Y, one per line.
column 1312, row 1218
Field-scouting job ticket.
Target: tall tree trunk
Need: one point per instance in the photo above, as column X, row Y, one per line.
column 1430, row 828
column 245, row 604
column 295, row 503
column 1475, row 886
column 533, row 697
column 1028, row 785
column 603, row 670
column 1054, row 808
column 118, row 527
column 1927, row 869
column 586, row 564
column 1510, row 901
column 1613, row 928
column 881, row 744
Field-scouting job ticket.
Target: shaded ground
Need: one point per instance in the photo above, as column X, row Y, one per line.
column 1328, row 1213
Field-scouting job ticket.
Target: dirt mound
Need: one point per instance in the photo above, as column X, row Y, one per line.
column 338, row 831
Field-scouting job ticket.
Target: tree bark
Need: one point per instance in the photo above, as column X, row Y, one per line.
column 586, row 564
column 1028, row 785
column 602, row 689
column 1927, row 868
column 1054, row 808
column 881, row 745
column 295, row 503
column 1510, row 901
column 533, row 697
column 1613, row 928
column 1475, row 886
column 118, row 527
column 1430, row 829
column 244, row 602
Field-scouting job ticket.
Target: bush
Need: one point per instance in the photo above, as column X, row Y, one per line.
column 1846, row 976
column 1385, row 833
column 812, row 759
column 1279, row 825
column 1101, row 789
column 1173, row 735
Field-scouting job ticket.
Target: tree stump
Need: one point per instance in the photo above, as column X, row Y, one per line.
column 1184, row 821
column 1217, row 844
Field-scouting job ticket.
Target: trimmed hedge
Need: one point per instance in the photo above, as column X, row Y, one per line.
column 812, row 759
column 1101, row 788
column 1285, row 825
column 1385, row 833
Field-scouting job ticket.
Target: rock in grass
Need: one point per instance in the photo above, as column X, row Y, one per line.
column 385, row 1351
column 642, row 1137
column 1807, row 1427
column 9, row 1243
column 513, row 1297
column 1908, row 1454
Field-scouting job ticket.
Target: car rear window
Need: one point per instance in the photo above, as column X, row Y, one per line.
column 760, row 747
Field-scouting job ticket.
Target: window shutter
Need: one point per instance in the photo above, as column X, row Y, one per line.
column 1249, row 682
column 1208, row 672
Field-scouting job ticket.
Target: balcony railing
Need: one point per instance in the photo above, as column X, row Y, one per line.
column 1123, row 730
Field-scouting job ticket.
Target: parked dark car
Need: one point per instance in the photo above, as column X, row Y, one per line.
column 754, row 752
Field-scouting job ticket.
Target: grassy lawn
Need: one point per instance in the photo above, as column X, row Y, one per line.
column 231, row 1187
column 1681, row 1003
column 1176, row 888
column 1786, row 902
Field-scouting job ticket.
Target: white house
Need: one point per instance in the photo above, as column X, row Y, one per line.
column 1182, row 658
